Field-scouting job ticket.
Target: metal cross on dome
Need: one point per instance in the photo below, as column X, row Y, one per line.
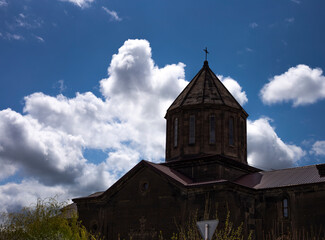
column 206, row 53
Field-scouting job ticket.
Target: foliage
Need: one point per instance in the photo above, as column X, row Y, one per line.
column 295, row 234
column 228, row 232
column 48, row 219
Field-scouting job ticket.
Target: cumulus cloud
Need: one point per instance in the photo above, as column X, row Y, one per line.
column 80, row 3
column 318, row 148
column 266, row 150
column 234, row 88
column 301, row 84
column 133, row 82
column 112, row 14
column 46, row 143
column 13, row 195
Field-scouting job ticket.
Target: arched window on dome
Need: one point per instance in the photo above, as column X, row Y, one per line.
column 231, row 131
column 212, row 129
column 192, row 130
column 175, row 132
column 242, row 134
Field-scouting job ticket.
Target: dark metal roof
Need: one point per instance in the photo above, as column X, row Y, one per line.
column 281, row 178
column 257, row 180
column 205, row 88
column 208, row 159
column 171, row 173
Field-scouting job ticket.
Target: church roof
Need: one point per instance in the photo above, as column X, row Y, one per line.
column 258, row 180
column 171, row 173
column 205, row 88
column 282, row 178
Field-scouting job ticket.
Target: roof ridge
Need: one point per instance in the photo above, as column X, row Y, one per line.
column 288, row 169
column 228, row 91
column 195, row 79
column 215, row 85
column 205, row 89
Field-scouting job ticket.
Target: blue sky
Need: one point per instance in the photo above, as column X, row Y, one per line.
column 85, row 84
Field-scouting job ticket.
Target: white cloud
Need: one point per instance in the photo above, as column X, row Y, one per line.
column 12, row 36
column 27, row 22
column 7, row 170
column 13, row 195
column 112, row 14
column 62, row 86
column 40, row 39
column 46, row 143
column 253, row 25
column 296, row 1
column 3, row 3
column 134, row 81
column 266, row 150
column 234, row 88
column 80, row 3
column 318, row 148
column 301, row 84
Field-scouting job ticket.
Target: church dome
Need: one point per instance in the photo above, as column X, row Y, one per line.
column 205, row 119
column 205, row 88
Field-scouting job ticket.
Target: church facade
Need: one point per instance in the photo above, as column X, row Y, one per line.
column 206, row 172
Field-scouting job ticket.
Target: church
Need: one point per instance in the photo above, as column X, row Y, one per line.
column 206, row 172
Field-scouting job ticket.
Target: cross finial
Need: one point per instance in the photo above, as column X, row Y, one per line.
column 206, row 53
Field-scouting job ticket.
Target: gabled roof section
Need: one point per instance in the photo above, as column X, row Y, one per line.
column 282, row 178
column 178, row 177
column 206, row 88
column 171, row 174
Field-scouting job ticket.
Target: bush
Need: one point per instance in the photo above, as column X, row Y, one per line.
column 228, row 232
column 47, row 220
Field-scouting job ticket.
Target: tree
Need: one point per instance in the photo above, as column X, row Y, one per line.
column 47, row 220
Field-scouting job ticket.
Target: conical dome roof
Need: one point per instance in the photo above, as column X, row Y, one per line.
column 205, row 88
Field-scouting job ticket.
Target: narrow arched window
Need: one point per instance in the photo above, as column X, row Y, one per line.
column 192, row 130
column 242, row 137
column 212, row 130
column 231, row 131
column 285, row 208
column 175, row 132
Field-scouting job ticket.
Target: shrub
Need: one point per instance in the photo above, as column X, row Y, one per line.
column 228, row 232
column 47, row 220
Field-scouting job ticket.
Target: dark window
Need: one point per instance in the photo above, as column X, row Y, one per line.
column 175, row 132
column 242, row 137
column 212, row 138
column 144, row 186
column 192, row 130
column 285, row 208
column 231, row 131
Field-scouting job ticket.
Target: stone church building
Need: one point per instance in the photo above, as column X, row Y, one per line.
column 206, row 171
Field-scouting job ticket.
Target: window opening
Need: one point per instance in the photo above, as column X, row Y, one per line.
column 242, row 137
column 231, row 131
column 192, row 130
column 212, row 139
column 175, row 132
column 285, row 208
